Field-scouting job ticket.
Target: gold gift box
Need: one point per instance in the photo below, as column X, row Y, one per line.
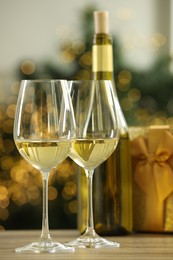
column 152, row 173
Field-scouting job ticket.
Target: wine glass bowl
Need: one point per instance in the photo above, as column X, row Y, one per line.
column 97, row 135
column 43, row 130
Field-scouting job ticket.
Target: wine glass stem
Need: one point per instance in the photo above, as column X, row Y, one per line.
column 45, row 221
column 90, row 220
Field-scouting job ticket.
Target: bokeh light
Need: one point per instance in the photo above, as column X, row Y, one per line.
column 125, row 13
column 134, row 95
column 28, row 67
column 158, row 40
column 124, row 79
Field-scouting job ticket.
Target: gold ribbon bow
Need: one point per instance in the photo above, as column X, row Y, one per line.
column 154, row 173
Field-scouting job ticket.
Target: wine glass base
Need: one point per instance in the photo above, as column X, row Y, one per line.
column 87, row 241
column 44, row 246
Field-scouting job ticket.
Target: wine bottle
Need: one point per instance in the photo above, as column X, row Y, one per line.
column 112, row 198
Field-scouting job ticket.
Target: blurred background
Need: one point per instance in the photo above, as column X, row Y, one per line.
column 52, row 39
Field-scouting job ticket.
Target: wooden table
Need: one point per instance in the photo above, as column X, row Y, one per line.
column 133, row 247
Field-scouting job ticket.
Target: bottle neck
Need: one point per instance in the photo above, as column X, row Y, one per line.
column 102, row 57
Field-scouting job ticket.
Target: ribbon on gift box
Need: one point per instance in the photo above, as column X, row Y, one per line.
column 154, row 173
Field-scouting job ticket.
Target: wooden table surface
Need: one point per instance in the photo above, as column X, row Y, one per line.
column 132, row 247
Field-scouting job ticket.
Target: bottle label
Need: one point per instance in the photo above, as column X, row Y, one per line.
column 102, row 58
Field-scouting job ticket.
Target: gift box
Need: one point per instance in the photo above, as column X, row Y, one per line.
column 152, row 173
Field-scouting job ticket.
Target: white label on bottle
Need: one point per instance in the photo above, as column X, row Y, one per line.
column 102, row 58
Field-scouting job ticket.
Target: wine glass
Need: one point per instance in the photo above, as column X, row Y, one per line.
column 97, row 135
column 43, row 130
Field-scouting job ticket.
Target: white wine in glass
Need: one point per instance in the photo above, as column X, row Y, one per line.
column 97, row 135
column 44, row 128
